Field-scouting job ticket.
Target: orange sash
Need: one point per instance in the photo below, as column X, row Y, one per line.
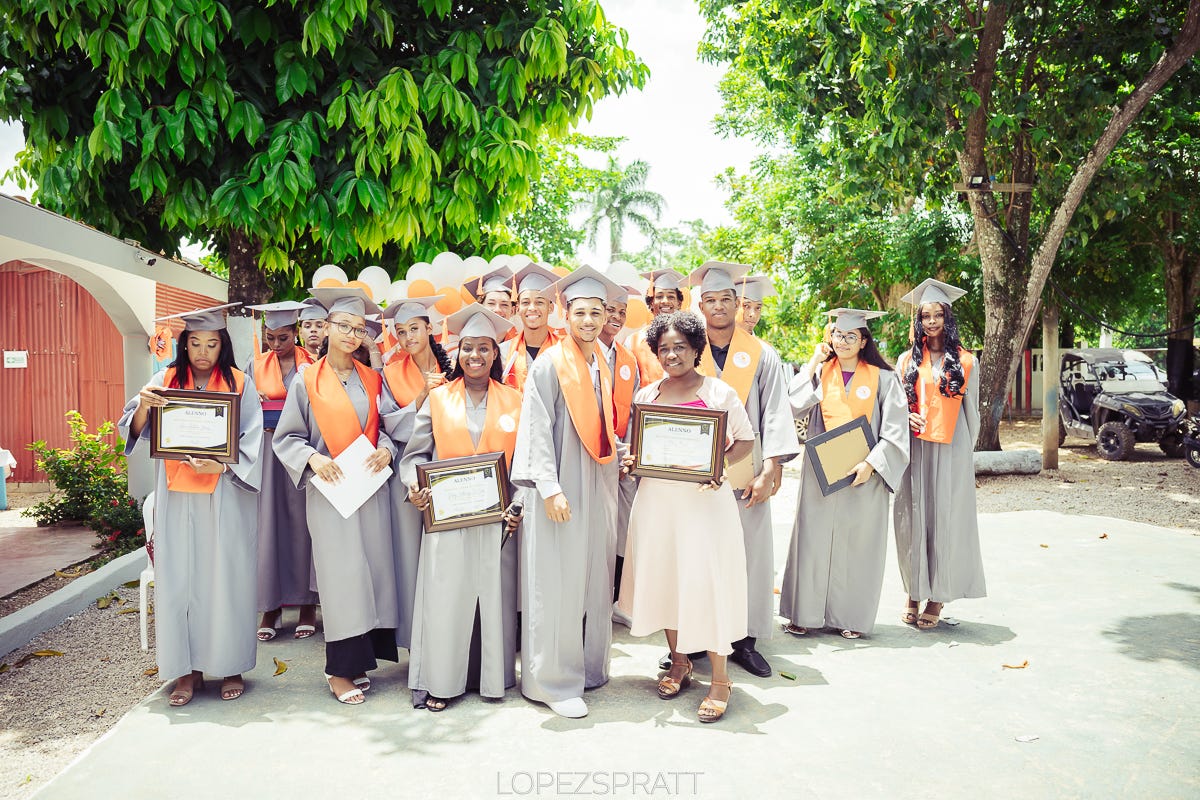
column 575, row 379
column 448, row 412
column 941, row 412
column 647, row 361
column 404, row 378
column 840, row 403
column 741, row 363
column 517, row 368
column 268, row 376
column 333, row 411
column 180, row 475
column 623, row 387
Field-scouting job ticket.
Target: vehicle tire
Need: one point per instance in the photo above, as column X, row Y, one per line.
column 1192, row 454
column 1114, row 441
column 802, row 429
column 1062, row 432
column 1172, row 445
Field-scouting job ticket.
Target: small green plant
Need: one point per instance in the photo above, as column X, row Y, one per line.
column 90, row 486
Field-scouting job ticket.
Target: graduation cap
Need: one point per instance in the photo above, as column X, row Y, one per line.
column 373, row 325
column 475, row 320
column 313, row 310
column 498, row 280
column 851, row 319
column 588, row 282
column 281, row 314
column 665, row 279
column 202, row 319
column 716, row 276
column 755, row 287
column 534, row 278
column 931, row 290
column 346, row 299
column 410, row 308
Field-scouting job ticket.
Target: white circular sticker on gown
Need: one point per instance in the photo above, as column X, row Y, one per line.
column 626, row 372
column 741, row 360
column 507, row 423
column 862, row 393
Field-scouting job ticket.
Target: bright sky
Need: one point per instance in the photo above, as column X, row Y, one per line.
column 668, row 124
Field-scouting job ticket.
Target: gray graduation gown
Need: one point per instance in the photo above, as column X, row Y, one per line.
column 774, row 437
column 353, row 558
column 834, row 571
column 461, row 571
column 626, row 489
column 937, row 529
column 205, row 557
column 566, row 572
column 406, row 519
column 284, row 548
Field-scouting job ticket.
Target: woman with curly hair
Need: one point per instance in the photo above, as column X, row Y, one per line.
column 937, row 530
column 407, row 381
column 834, row 572
column 685, row 559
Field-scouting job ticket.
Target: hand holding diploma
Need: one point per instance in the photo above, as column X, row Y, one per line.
column 419, row 497
column 379, row 460
column 206, row 466
column 862, row 472
column 325, row 468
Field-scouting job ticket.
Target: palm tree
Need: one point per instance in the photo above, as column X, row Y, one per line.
column 622, row 199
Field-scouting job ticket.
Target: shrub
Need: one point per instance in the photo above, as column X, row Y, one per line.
column 90, row 486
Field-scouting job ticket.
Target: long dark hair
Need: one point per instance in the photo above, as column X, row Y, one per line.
column 183, row 366
column 953, row 382
column 497, row 373
column 870, row 352
column 443, row 358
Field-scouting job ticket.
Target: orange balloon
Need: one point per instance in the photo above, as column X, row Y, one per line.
column 637, row 315
column 467, row 297
column 561, row 272
column 327, row 283
column 421, row 288
column 451, row 302
column 363, row 286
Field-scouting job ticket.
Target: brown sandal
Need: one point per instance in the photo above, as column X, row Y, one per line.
column 927, row 620
column 795, row 630
column 669, row 685
column 911, row 612
column 712, row 709
column 180, row 697
column 232, row 687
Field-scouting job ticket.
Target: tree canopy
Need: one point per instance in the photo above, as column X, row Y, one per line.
column 287, row 134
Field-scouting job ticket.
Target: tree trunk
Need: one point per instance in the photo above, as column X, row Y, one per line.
column 247, row 284
column 1181, row 272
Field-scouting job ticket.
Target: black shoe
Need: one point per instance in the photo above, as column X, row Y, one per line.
column 665, row 661
column 752, row 661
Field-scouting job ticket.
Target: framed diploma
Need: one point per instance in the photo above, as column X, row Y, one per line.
column 464, row 491
column 835, row 452
column 197, row 424
column 678, row 443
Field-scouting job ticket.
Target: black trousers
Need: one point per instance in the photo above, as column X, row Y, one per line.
column 349, row 658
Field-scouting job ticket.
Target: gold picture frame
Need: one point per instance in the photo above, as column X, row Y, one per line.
column 197, row 424
column 472, row 500
column 678, row 443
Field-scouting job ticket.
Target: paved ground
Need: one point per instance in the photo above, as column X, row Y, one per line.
column 29, row 553
column 1110, row 628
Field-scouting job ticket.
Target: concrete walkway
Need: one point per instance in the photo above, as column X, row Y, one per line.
column 1107, row 706
column 29, row 553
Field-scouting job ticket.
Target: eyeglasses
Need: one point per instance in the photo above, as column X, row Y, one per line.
column 346, row 329
column 844, row 338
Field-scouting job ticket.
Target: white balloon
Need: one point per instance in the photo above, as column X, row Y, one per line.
column 421, row 271
column 397, row 291
column 329, row 271
column 377, row 278
column 556, row 319
column 475, row 266
column 448, row 267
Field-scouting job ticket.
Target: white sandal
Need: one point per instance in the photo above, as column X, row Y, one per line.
column 363, row 683
column 346, row 697
column 304, row 631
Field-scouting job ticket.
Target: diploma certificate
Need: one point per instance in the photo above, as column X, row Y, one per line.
column 197, row 424
column 464, row 491
column 678, row 443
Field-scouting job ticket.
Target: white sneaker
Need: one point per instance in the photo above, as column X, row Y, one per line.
column 618, row 616
column 572, row 708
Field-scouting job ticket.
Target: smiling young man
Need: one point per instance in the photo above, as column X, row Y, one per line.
column 566, row 450
column 494, row 292
column 535, row 303
column 663, row 296
column 754, row 370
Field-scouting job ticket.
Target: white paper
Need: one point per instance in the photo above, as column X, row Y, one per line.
column 677, row 444
column 463, row 493
column 358, row 483
column 186, row 425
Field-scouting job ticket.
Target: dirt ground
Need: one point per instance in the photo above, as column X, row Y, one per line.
column 53, row 706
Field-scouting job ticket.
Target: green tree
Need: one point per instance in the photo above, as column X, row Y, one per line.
column 286, row 134
column 910, row 96
column 622, row 199
column 543, row 229
column 679, row 247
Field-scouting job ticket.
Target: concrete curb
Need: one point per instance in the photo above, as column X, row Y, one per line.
column 20, row 626
column 1008, row 462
